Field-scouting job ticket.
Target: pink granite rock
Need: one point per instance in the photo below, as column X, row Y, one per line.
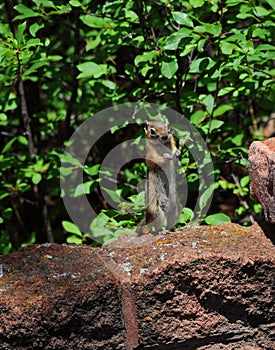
column 262, row 173
column 197, row 288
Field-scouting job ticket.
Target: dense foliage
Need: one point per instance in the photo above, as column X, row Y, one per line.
column 211, row 60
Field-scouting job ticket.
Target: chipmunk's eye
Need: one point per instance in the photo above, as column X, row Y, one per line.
column 153, row 132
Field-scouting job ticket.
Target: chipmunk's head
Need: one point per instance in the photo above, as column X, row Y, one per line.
column 157, row 130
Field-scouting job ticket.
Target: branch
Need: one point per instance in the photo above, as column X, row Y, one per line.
column 26, row 119
column 262, row 71
column 47, row 223
column 74, row 77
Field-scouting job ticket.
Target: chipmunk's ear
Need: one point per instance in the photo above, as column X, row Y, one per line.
column 146, row 123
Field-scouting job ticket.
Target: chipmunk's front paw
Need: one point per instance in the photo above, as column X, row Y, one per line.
column 177, row 153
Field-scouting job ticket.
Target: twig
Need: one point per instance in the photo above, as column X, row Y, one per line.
column 26, row 119
column 261, row 70
column 178, row 83
column 47, row 223
column 212, row 113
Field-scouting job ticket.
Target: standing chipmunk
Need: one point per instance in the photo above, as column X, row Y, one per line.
column 160, row 190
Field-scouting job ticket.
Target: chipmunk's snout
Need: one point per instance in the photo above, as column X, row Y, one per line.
column 164, row 137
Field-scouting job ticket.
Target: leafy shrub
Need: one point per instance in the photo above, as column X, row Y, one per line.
column 212, row 61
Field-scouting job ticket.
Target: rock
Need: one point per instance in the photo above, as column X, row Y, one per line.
column 197, row 288
column 262, row 174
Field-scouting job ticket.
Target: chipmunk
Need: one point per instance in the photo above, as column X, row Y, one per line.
column 160, row 189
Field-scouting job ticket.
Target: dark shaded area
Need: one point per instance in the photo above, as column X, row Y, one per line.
column 268, row 229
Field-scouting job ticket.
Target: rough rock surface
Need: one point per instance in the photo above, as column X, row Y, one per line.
column 262, row 173
column 197, row 288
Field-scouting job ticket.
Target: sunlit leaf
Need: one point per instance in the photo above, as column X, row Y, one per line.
column 217, row 219
column 97, row 21
column 91, row 70
column 71, row 228
column 172, row 41
column 36, row 178
column 145, row 57
column 182, row 18
column 25, row 12
column 168, row 69
column 34, row 28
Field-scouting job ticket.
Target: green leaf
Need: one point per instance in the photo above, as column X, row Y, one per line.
column 201, row 44
column 131, row 16
column 187, row 49
column 97, row 22
column 186, row 216
column 211, row 28
column 85, row 187
column 237, row 139
column 91, row 70
column 34, row 67
column 92, row 170
column 182, row 18
column 74, row 240
column 25, row 12
column 92, row 44
column 109, row 84
column 61, row 9
column 44, row 3
column 34, row 28
column 67, row 157
column 75, row 3
column 20, row 33
column 227, row 48
column 115, row 196
column 232, row 2
column 225, row 91
column 222, row 109
column 8, row 145
column 23, row 140
column 101, row 232
column 33, row 42
column 145, row 57
column 201, row 65
column 71, row 228
column 3, row 119
column 217, row 219
column 172, row 41
column 260, row 11
column 197, row 117
column 100, row 221
column 216, row 124
column 168, row 69
column 209, row 101
column 36, row 178
column 196, row 3
column 245, row 181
